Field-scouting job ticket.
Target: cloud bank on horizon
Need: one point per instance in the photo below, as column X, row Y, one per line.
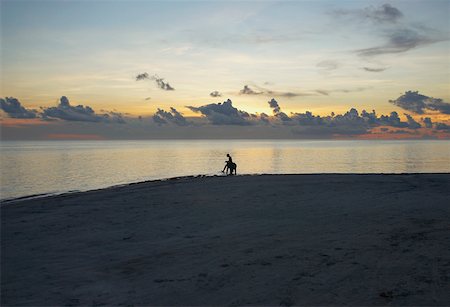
column 225, row 114
column 63, row 111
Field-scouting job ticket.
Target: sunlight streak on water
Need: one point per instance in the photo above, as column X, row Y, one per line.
column 29, row 168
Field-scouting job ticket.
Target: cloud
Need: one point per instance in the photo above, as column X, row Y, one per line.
column 80, row 113
column 349, row 123
column 412, row 124
column 248, row 91
column 288, row 94
column 328, row 65
column 323, row 92
column 441, row 126
column 223, row 114
column 14, row 109
column 352, row 122
column 161, row 84
column 374, row 69
column 264, row 118
column 392, row 120
column 274, row 106
column 418, row 103
column 428, row 123
column 400, row 40
column 276, row 109
column 173, row 116
column 142, row 76
column 159, row 81
column 342, row 90
column 385, row 13
column 114, row 117
column 266, row 92
column 215, row 94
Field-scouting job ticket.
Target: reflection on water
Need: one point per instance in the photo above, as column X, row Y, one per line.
column 44, row 167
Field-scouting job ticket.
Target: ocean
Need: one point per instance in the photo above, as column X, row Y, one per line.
column 48, row 167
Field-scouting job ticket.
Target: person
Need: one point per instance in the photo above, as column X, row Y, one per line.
column 227, row 164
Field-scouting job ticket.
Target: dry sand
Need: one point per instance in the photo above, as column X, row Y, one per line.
column 245, row 240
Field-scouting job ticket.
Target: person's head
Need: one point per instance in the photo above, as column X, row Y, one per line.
column 228, row 155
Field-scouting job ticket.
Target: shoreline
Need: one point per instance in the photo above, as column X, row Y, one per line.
column 7, row 201
column 317, row 239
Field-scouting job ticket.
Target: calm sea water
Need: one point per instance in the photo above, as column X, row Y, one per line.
column 29, row 168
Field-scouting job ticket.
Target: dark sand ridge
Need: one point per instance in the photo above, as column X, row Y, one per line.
column 261, row 240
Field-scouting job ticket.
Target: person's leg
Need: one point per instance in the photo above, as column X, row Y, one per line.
column 226, row 167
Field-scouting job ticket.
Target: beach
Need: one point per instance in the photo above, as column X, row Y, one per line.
column 325, row 239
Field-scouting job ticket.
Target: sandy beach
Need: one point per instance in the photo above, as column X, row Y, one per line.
column 237, row 240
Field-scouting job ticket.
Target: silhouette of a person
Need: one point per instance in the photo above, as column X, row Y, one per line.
column 227, row 164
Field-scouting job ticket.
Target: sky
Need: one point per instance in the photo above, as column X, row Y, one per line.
column 219, row 69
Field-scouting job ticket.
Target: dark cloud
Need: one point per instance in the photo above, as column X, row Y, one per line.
column 418, row 103
column 276, row 109
column 142, row 76
column 215, row 94
column 383, row 14
column 159, row 117
column 161, row 84
column 80, row 113
column 14, row 109
column 115, row 117
column 223, row 114
column 352, row 122
column 392, row 120
column 374, row 69
column 283, row 117
column 307, row 119
column 428, row 123
column 441, row 126
column 264, row 118
column 159, row 81
column 371, row 118
column 401, row 40
column 266, row 92
column 288, row 94
column 274, row 106
column 248, row 91
column 349, row 123
column 412, row 124
column 173, row 117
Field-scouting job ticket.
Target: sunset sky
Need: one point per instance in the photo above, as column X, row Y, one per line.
column 127, row 59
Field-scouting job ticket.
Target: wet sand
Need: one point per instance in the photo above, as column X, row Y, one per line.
column 237, row 240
